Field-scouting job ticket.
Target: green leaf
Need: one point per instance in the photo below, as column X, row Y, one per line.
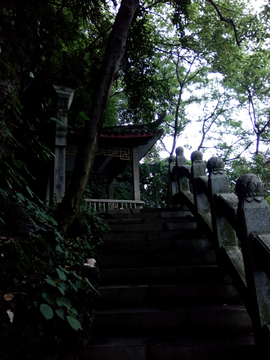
column 80, row 284
column 74, row 323
column 62, row 291
column 60, row 312
column 47, row 297
column 46, row 311
column 84, row 116
column 62, row 301
column 64, row 286
column 74, row 311
column 73, row 285
column 16, row 163
column 61, row 274
column 20, row 196
column 91, row 286
column 51, row 282
column 59, row 249
column 29, row 191
column 65, row 270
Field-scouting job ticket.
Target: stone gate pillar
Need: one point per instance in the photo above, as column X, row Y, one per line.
column 65, row 97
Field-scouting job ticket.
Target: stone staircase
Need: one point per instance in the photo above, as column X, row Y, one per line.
column 162, row 295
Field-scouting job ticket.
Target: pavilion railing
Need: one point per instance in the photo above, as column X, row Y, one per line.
column 101, row 205
column 237, row 224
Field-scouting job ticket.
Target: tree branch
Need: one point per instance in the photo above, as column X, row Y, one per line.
column 227, row 20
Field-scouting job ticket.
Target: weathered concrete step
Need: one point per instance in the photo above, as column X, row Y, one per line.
column 171, row 348
column 147, row 213
column 157, row 258
column 161, row 275
column 154, row 226
column 131, row 245
column 166, row 295
column 150, row 220
column 172, row 320
column 148, row 235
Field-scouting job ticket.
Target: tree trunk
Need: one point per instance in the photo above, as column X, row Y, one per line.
column 71, row 204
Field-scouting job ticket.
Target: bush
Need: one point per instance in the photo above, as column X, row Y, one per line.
column 47, row 293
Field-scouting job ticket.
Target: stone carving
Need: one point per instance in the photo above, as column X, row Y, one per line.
column 196, row 157
column 249, row 187
column 179, row 151
column 215, row 165
column 180, row 158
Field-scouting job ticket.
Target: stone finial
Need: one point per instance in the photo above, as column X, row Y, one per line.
column 196, row 157
column 249, row 187
column 215, row 165
column 179, row 151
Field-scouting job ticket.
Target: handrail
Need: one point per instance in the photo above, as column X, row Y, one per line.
column 238, row 226
column 101, row 205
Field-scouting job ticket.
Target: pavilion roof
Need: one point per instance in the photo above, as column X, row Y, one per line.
column 116, row 144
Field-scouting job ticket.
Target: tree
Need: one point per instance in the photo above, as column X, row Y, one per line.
column 70, row 41
column 154, row 182
column 111, row 61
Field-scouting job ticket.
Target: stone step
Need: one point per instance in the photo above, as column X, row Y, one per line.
column 172, row 348
column 131, row 245
column 161, row 275
column 150, row 220
column 152, row 226
column 212, row 320
column 147, row 213
column 157, row 258
column 152, row 235
column 116, row 296
column 162, row 295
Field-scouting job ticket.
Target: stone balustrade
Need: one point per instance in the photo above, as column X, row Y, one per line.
column 101, row 205
column 237, row 224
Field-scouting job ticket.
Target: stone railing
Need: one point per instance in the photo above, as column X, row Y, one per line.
column 237, row 224
column 101, row 205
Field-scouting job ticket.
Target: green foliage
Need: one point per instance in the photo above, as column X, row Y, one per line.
column 65, row 287
column 45, row 283
column 145, row 84
column 122, row 185
column 154, row 182
column 258, row 165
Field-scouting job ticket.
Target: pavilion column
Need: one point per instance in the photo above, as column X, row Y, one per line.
column 65, row 97
column 110, row 187
column 136, row 174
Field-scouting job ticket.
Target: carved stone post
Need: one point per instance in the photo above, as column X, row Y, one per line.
column 172, row 164
column 183, row 182
column 173, row 180
column 218, row 183
column 254, row 217
column 198, row 169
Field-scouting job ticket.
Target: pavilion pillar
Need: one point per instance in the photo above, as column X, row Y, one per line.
column 110, row 187
column 136, row 174
column 65, row 97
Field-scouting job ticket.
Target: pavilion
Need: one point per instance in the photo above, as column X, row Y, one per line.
column 119, row 146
